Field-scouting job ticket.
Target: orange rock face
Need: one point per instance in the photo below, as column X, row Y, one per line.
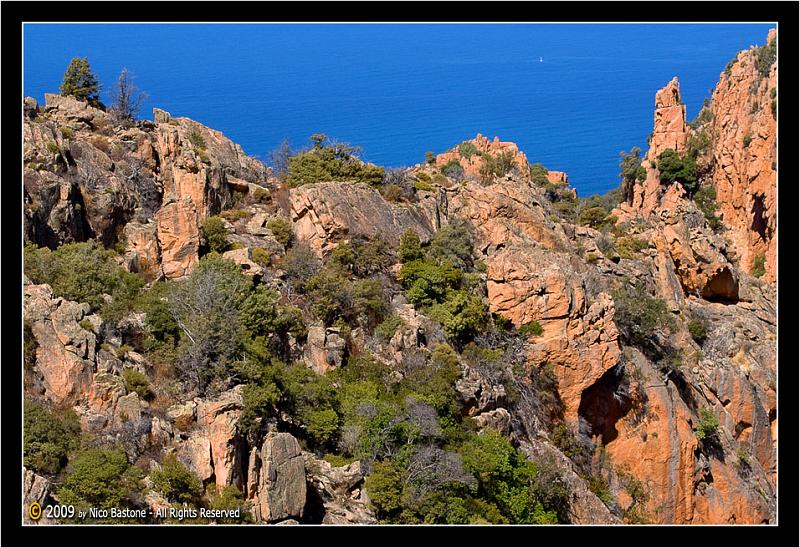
column 669, row 131
column 178, row 238
column 472, row 165
column 745, row 176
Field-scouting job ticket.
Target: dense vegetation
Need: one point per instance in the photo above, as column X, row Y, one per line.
column 328, row 161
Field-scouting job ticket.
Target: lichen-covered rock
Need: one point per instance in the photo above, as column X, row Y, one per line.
column 339, row 488
column 278, row 474
column 324, row 213
column 35, row 488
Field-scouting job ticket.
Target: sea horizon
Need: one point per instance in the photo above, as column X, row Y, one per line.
column 572, row 97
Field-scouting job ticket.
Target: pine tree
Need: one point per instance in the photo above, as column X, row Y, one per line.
column 81, row 83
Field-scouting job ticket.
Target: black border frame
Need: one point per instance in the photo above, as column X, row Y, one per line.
column 786, row 13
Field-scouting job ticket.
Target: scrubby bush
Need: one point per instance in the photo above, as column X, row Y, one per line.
column 462, row 315
column 758, row 268
column 707, row 425
column 229, row 497
column 539, row 175
column 388, row 327
column 215, row 234
column 327, row 161
column 639, row 316
column 261, row 256
column 532, row 328
column 765, row 58
column 100, row 478
column 423, row 185
column 631, row 171
column 136, row 381
column 410, row 248
column 282, row 230
column 705, row 198
column 362, row 257
column 48, row 437
column 84, row 272
column 300, row 263
column 453, row 244
column 467, row 149
column 628, row 247
column 453, row 170
column 698, row 329
column 496, row 166
column 673, row 166
column 746, row 140
column 428, row 283
column 176, row 482
column 595, row 217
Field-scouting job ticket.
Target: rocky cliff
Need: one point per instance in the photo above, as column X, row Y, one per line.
column 677, row 426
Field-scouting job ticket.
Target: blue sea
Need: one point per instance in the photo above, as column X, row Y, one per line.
column 571, row 96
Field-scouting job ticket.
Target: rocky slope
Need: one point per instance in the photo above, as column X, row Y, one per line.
column 148, row 189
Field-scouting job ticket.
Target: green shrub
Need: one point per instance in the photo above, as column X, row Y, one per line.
column 176, row 482
column 196, row 139
column 746, row 140
column 698, row 329
column 595, row 217
column 300, row 263
column 136, row 381
column 672, row 166
column 362, row 257
column 259, row 400
column 66, row 132
column 453, row 170
column 628, row 247
column 539, row 175
column 423, row 185
column 462, row 315
column 80, row 82
column 282, row 230
column 388, row 327
column 229, row 498
column 533, row 328
column 215, row 234
column 430, row 157
column 233, row 214
column 705, row 198
column 84, row 272
column 410, row 248
column 496, row 166
column 427, row 283
column 52, row 147
column 391, row 193
column 765, row 57
column 707, row 425
column 100, row 478
column 758, row 269
column 48, row 437
column 261, row 196
column 261, row 256
column 453, row 244
column 639, row 316
column 467, row 149
column 331, row 162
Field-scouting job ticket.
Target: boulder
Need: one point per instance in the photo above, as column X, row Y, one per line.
column 278, row 473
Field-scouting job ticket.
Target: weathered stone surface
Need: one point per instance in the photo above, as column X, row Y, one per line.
column 142, row 252
column 178, row 238
column 281, row 483
column 243, row 257
column 218, row 419
column 66, row 351
column 745, row 176
column 324, row 348
column 35, row 488
column 339, row 489
column 324, row 213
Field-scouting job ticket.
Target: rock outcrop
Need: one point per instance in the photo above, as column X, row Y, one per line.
column 325, row 213
column 743, row 130
column 473, row 163
column 277, row 476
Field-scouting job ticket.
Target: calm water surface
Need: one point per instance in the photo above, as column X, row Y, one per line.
column 571, row 96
